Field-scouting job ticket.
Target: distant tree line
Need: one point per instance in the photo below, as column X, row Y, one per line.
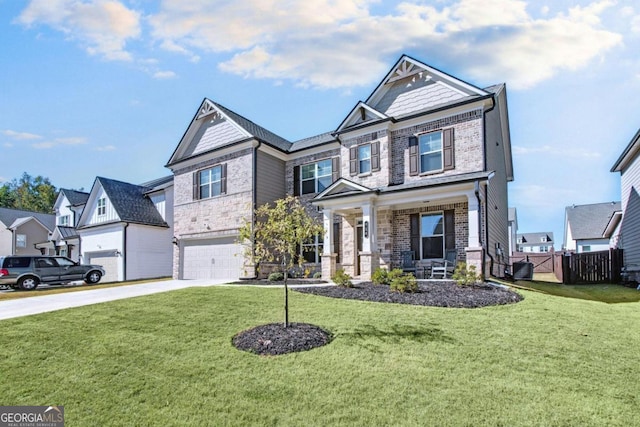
column 29, row 194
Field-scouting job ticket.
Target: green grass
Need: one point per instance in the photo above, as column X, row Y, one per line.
column 167, row 359
column 608, row 293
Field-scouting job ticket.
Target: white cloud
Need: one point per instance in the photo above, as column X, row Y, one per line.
column 326, row 43
column 564, row 152
column 74, row 140
column 163, row 75
column 106, row 148
column 102, row 26
column 45, row 145
column 20, row 136
column 635, row 24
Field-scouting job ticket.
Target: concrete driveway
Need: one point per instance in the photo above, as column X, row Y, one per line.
column 41, row 304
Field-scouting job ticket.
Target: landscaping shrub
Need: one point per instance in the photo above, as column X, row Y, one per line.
column 342, row 279
column 276, row 276
column 466, row 275
column 317, row 275
column 380, row 276
column 404, row 283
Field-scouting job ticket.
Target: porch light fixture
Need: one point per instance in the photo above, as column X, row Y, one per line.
column 174, row 240
column 366, row 229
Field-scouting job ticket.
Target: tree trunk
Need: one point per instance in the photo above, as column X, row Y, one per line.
column 286, row 298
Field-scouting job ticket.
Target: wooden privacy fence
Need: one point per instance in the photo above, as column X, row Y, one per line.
column 572, row 268
column 591, row 267
column 542, row 262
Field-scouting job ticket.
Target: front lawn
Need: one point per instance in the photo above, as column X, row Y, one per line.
column 167, row 359
column 608, row 293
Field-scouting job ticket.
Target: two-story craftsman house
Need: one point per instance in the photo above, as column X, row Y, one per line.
column 421, row 166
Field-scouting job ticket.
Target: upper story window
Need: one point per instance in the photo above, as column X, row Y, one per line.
column 63, row 220
column 102, row 206
column 431, row 152
column 210, row 182
column 316, row 176
column 21, row 240
column 364, row 158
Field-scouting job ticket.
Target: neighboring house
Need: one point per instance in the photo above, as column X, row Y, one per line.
column 592, row 228
column 128, row 228
column 65, row 240
column 513, row 231
column 422, row 165
column 21, row 231
column 629, row 167
column 535, row 242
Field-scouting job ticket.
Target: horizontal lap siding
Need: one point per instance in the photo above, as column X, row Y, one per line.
column 270, row 183
column 630, row 229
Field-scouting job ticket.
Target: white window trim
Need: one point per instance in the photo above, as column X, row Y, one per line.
column 102, row 206
column 434, row 213
column 420, row 153
column 316, row 177
column 369, row 159
column 210, row 182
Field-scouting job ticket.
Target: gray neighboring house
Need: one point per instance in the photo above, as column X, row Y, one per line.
column 21, row 231
column 127, row 228
column 65, row 240
column 421, row 166
column 539, row 242
column 593, row 227
column 628, row 164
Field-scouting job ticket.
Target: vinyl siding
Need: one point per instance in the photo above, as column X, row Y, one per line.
column 630, row 229
column 149, row 252
column 270, row 183
column 497, row 212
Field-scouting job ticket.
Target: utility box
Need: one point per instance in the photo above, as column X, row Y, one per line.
column 523, row 270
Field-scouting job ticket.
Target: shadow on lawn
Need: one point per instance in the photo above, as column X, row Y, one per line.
column 367, row 336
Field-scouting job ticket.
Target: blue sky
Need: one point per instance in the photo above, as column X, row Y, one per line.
column 108, row 87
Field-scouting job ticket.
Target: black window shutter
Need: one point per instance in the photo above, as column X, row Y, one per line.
column 448, row 149
column 414, row 234
column 353, row 161
column 196, row 186
column 223, row 178
column 449, row 230
column 335, row 169
column 413, row 156
column 375, row 156
column 296, row 180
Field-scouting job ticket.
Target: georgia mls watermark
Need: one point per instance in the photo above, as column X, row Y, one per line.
column 31, row 416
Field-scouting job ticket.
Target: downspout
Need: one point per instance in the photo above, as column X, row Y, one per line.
column 476, row 190
column 255, row 200
column 124, row 250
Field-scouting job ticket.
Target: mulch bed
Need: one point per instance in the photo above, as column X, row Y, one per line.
column 436, row 294
column 274, row 339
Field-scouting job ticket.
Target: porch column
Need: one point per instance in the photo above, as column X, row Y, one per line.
column 474, row 250
column 329, row 255
column 369, row 258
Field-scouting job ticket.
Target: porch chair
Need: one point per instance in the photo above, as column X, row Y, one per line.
column 408, row 262
column 447, row 266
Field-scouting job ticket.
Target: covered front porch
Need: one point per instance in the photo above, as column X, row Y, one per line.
column 370, row 228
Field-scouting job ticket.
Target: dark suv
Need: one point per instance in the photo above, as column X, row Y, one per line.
column 27, row 272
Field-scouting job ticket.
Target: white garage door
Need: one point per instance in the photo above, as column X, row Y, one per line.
column 108, row 261
column 212, row 259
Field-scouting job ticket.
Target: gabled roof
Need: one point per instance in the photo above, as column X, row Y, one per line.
column 129, row 201
column 9, row 216
column 158, row 184
column 226, row 127
column 535, row 238
column 629, row 153
column 75, row 197
column 313, row 141
column 590, row 221
column 362, row 114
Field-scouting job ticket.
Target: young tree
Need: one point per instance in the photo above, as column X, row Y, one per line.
column 276, row 235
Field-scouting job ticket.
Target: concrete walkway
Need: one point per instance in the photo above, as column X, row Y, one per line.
column 41, row 304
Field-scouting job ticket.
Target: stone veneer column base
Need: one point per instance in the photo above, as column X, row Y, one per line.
column 328, row 262
column 475, row 257
column 369, row 261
